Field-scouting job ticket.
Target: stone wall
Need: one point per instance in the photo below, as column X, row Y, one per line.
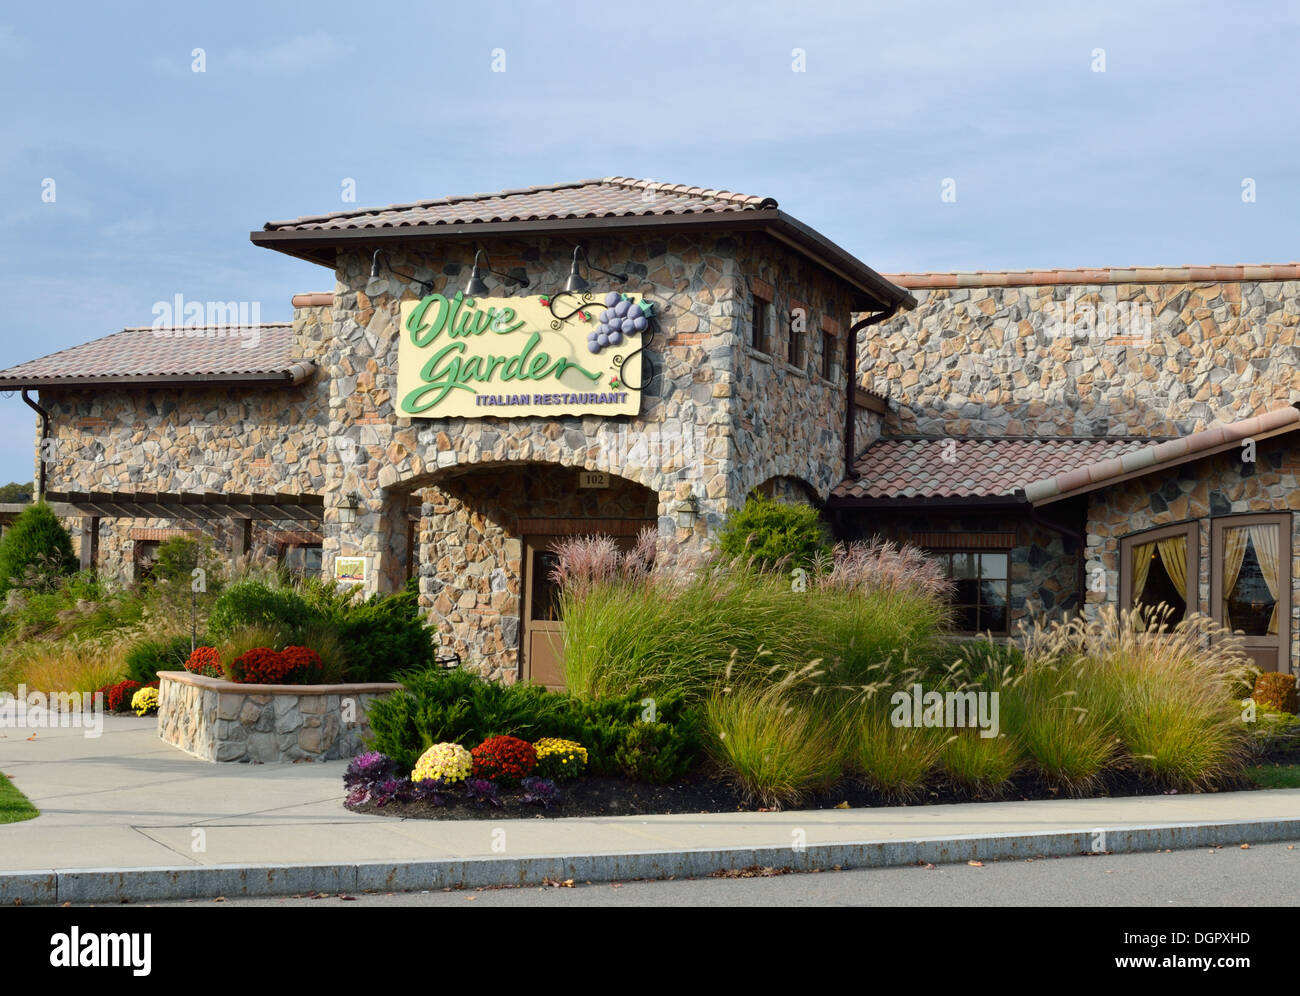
column 265, row 724
column 997, row 360
column 1202, row 489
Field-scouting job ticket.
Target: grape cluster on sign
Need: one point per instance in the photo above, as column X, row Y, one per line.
column 620, row 319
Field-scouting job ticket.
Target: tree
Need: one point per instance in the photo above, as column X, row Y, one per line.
column 14, row 492
column 36, row 543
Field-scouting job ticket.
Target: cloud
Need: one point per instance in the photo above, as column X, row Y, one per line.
column 306, row 53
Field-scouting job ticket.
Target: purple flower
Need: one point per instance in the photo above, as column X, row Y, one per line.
column 539, row 792
column 391, row 789
column 482, row 792
column 367, row 768
column 430, row 790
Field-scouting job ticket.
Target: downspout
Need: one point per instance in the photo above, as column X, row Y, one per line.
column 851, row 375
column 45, row 434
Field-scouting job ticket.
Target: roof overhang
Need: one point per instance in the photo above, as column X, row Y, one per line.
column 1151, row 460
column 204, row 506
column 322, row 246
column 297, row 374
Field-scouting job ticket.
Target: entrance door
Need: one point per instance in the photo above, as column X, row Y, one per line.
column 1250, row 584
column 543, row 629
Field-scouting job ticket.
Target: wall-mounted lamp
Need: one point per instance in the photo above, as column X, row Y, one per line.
column 427, row 285
column 348, row 508
column 688, row 509
column 576, row 283
column 476, row 287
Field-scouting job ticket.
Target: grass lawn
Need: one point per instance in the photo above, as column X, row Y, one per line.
column 13, row 804
column 1275, row 776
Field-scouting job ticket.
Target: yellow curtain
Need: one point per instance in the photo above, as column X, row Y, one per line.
column 1234, row 552
column 1173, row 554
column 1265, row 540
column 1141, row 568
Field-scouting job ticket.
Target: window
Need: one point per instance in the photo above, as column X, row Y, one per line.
column 145, row 556
column 1155, row 578
column 302, row 558
column 828, row 356
column 1250, row 584
column 794, row 348
column 758, row 333
column 981, row 588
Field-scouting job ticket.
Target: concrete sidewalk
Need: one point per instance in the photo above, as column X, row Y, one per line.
column 128, row 802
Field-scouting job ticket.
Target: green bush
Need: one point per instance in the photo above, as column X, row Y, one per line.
column 148, row 657
column 983, row 766
column 384, row 635
column 775, row 532
column 35, row 549
column 437, row 706
column 254, row 603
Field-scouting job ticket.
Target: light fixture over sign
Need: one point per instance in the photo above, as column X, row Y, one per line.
column 577, row 283
column 475, row 287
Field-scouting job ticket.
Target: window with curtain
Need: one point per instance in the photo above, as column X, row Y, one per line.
column 1159, row 578
column 1250, row 578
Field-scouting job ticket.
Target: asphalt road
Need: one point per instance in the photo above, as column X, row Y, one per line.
column 1260, row 875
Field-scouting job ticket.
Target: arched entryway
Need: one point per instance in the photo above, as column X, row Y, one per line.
column 483, row 552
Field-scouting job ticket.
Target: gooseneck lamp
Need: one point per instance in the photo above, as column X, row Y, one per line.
column 576, row 283
column 476, row 287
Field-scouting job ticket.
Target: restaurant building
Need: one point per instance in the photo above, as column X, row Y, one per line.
column 496, row 371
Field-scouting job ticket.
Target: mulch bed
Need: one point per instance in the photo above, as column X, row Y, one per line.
column 703, row 794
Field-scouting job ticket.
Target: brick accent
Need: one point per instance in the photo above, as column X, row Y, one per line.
column 762, row 290
column 582, row 527
column 964, row 541
column 160, row 534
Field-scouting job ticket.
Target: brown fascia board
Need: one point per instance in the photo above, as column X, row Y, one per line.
column 320, row 246
column 143, row 380
column 863, row 398
column 1156, row 468
column 985, row 503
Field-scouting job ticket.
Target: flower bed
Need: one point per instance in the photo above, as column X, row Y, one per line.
column 221, row 720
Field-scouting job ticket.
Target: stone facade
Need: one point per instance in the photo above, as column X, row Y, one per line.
column 1149, row 360
column 1199, row 491
column 441, row 499
column 265, row 724
column 998, row 360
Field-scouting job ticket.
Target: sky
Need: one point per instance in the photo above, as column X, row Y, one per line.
column 919, row 136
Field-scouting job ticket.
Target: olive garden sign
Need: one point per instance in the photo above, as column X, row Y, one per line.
column 515, row 356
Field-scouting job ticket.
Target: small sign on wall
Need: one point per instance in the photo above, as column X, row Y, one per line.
column 593, row 479
column 351, row 572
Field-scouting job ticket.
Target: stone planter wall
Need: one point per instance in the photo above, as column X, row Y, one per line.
column 266, row 724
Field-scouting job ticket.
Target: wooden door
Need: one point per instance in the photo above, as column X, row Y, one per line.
column 543, row 630
column 1250, row 584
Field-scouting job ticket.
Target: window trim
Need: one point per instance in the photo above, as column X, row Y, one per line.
column 1192, row 530
column 760, row 323
column 830, row 349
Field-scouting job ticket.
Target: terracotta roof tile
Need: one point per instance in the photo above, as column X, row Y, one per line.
column 946, row 467
column 1099, row 275
column 614, row 196
column 240, row 353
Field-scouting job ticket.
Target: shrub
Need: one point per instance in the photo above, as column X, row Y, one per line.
column 384, row 635
column 504, row 759
column 775, row 749
column 145, row 701
column 145, row 659
column 774, row 534
column 178, row 556
column 447, row 763
column 36, row 548
column 560, row 760
column 483, row 792
column 255, row 603
column 205, row 661
column 1276, row 692
column 539, row 792
column 259, row 666
column 647, row 739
